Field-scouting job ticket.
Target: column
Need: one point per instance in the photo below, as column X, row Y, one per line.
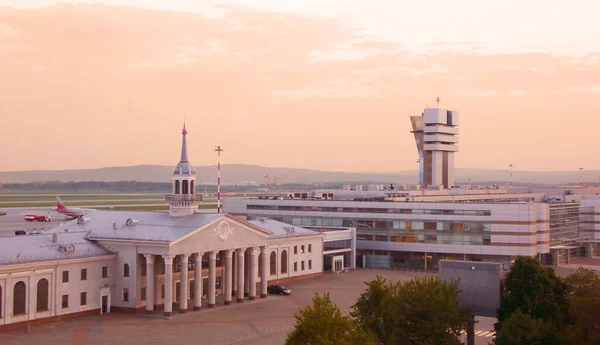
column 198, row 282
column 212, row 277
column 352, row 248
column 425, row 261
column 266, row 268
column 183, row 284
column 168, row 258
column 228, row 275
column 253, row 271
column 149, row 283
column 240, row 277
column 246, row 274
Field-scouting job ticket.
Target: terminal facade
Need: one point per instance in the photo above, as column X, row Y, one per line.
column 158, row 262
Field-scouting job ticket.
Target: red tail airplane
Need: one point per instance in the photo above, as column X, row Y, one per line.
column 72, row 213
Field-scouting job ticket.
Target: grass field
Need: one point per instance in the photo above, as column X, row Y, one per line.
column 50, row 198
column 91, row 203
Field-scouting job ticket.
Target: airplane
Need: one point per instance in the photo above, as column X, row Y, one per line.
column 70, row 213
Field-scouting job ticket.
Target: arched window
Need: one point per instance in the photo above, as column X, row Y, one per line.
column 184, row 187
column 126, row 270
column 284, row 261
column 192, row 188
column 176, row 186
column 273, row 262
column 19, row 299
column 42, row 295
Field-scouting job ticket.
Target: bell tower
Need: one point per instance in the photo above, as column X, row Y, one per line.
column 182, row 200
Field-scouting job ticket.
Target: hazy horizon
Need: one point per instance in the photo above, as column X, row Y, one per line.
column 328, row 85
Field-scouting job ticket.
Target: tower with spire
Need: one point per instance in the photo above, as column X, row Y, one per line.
column 183, row 200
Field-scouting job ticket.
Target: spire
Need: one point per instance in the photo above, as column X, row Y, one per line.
column 184, row 155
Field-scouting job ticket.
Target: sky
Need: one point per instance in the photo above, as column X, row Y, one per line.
column 328, row 84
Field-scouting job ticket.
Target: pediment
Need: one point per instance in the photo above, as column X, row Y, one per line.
column 225, row 232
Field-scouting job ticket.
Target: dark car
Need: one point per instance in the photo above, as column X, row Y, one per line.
column 279, row 290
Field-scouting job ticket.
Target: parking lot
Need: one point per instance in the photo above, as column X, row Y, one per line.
column 264, row 321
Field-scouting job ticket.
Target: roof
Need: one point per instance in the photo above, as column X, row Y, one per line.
column 148, row 226
column 39, row 248
column 282, row 230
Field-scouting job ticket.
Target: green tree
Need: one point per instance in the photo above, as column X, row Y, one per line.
column 583, row 289
column 420, row 311
column 534, row 290
column 324, row 324
column 521, row 329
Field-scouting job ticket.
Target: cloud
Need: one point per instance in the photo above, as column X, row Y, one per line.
column 7, row 31
column 590, row 88
column 338, row 88
column 476, row 93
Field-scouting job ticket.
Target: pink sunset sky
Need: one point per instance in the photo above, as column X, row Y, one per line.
column 323, row 84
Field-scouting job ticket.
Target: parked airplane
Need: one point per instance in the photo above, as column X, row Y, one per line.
column 70, row 213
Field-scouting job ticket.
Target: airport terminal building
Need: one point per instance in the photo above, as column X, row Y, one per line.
column 149, row 261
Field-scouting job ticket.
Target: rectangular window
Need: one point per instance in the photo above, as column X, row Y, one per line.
column 295, row 249
column 125, row 295
column 65, row 301
column 83, row 298
column 310, row 264
column 143, row 294
column 162, row 291
column 144, row 270
column 65, row 276
column 295, row 267
column 104, row 271
column 302, row 249
column 84, row 274
column 302, row 265
column 310, row 248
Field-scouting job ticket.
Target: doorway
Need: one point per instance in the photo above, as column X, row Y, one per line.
column 104, row 309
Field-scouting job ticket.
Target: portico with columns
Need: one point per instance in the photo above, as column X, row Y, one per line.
column 224, row 237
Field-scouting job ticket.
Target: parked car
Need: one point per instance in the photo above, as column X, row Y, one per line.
column 279, row 289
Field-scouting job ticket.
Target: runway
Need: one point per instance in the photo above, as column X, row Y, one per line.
column 13, row 221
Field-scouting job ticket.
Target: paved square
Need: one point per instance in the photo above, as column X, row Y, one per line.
column 264, row 321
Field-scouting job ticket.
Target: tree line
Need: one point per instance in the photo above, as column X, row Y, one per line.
column 537, row 308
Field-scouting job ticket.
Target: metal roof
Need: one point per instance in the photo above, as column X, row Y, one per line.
column 282, row 230
column 39, row 248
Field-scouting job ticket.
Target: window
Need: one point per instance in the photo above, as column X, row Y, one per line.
column 65, row 276
column 302, row 249
column 126, row 270
column 273, row 263
column 125, row 295
column 162, row 291
column 295, row 249
column 65, row 301
column 295, row 266
column 143, row 294
column 310, row 248
column 19, row 298
column 302, row 265
column 144, row 268
column 42, row 295
column 284, row 262
column 104, row 271
column 83, row 298
column 84, row 274
column 310, row 264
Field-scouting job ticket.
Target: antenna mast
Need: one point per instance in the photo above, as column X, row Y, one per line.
column 511, row 167
column 437, row 100
column 580, row 176
column 218, row 150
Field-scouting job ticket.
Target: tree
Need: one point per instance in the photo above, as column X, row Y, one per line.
column 583, row 289
column 521, row 329
column 324, row 324
column 534, row 290
column 420, row 311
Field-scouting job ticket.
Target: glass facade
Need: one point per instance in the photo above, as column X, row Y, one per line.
column 367, row 210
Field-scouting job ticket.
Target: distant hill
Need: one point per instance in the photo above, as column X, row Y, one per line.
column 242, row 174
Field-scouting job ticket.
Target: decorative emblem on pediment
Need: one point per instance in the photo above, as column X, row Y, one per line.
column 223, row 230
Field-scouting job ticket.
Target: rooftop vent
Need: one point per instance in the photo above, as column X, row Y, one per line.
column 115, row 225
column 55, row 237
column 131, row 222
column 67, row 248
column 80, row 220
column 290, row 229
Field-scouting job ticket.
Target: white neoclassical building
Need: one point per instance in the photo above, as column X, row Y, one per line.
column 150, row 261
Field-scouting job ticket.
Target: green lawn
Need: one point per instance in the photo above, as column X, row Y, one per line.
column 51, row 198
column 87, row 203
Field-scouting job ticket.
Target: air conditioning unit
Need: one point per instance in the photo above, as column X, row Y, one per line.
column 67, row 248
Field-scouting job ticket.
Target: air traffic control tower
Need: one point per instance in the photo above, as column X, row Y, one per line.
column 436, row 136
